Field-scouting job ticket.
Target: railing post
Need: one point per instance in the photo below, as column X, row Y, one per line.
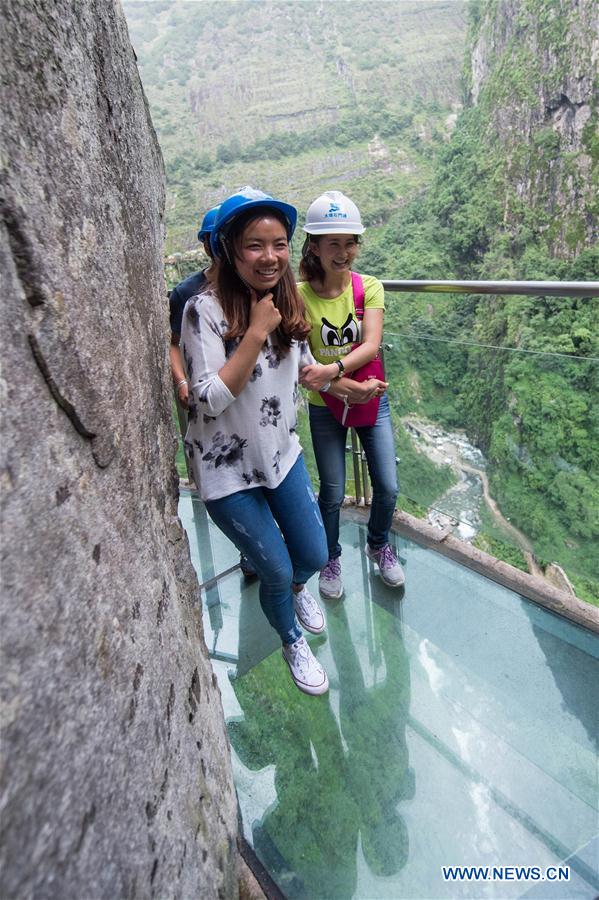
column 356, row 453
column 366, row 487
column 182, row 419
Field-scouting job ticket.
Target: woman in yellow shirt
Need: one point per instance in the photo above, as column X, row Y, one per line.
column 333, row 226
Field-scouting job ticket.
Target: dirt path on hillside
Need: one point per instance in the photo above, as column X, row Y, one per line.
column 449, row 451
column 518, row 536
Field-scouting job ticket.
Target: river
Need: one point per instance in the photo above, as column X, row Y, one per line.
column 460, row 506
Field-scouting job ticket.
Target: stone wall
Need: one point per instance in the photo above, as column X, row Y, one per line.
column 116, row 779
column 534, row 64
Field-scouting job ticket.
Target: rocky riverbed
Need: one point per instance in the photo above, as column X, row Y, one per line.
column 460, row 506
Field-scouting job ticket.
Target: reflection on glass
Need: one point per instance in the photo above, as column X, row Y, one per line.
column 340, row 776
column 461, row 728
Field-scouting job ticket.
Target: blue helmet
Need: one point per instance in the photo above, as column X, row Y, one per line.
column 208, row 223
column 247, row 198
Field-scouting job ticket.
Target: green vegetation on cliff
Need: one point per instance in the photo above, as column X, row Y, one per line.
column 501, row 206
column 294, row 97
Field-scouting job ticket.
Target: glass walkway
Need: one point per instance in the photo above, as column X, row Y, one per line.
column 460, row 730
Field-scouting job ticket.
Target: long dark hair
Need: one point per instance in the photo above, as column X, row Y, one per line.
column 234, row 293
column 310, row 267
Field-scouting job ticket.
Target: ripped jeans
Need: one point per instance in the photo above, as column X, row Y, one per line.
column 280, row 530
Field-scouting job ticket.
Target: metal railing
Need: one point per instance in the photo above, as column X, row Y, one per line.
column 523, row 288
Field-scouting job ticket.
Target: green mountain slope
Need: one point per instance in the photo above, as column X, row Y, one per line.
column 297, row 97
column 514, row 196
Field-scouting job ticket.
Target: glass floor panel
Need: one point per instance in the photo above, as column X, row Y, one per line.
column 460, row 729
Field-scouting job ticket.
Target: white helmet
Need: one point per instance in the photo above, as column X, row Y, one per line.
column 333, row 213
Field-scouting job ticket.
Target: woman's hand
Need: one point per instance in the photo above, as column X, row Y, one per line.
column 315, row 377
column 183, row 394
column 264, row 315
column 358, row 392
column 264, row 318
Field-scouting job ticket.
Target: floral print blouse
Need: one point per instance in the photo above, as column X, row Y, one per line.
column 236, row 443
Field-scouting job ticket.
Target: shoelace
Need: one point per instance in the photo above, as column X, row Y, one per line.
column 332, row 569
column 311, row 602
column 387, row 557
column 299, row 647
column 299, row 653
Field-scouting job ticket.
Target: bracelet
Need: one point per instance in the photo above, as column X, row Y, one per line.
column 341, row 368
column 183, row 381
column 326, row 387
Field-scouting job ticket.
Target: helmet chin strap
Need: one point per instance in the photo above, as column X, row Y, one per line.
column 223, row 242
column 259, row 294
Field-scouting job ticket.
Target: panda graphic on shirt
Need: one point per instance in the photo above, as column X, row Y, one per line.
column 339, row 335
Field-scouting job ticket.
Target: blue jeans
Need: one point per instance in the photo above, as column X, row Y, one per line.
column 329, row 439
column 280, row 531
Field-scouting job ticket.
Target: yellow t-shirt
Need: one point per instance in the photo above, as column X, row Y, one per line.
column 334, row 325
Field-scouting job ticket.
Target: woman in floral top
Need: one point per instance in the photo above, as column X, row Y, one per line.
column 244, row 345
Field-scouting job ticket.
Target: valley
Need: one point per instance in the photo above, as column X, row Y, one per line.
column 467, row 135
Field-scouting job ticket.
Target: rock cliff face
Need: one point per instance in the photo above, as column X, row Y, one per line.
column 533, row 69
column 116, row 779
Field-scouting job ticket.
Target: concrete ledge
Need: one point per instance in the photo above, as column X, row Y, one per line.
column 249, row 888
column 255, row 881
column 530, row 586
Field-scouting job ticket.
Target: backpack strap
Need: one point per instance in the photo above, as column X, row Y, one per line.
column 358, row 290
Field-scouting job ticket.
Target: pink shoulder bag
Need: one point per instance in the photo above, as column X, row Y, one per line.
column 361, row 413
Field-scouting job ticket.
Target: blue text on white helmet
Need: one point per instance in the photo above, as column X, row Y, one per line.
column 333, row 213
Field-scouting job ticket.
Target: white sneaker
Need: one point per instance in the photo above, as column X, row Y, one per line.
column 308, row 611
column 389, row 568
column 305, row 669
column 329, row 582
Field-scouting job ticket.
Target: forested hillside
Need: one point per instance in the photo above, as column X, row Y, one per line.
column 290, row 96
column 514, row 196
column 297, row 97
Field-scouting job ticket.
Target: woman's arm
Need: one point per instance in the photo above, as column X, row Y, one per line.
column 177, row 371
column 314, row 377
column 176, row 306
column 372, row 335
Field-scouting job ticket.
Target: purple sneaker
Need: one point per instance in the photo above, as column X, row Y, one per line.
column 389, row 568
column 329, row 582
